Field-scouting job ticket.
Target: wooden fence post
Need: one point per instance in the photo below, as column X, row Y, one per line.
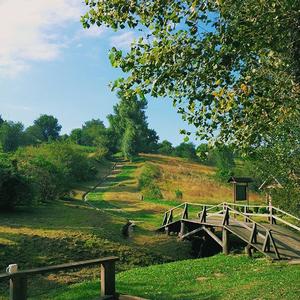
column 225, row 241
column 108, row 281
column 18, row 288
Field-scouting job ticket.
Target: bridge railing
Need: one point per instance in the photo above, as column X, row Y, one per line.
column 188, row 210
column 256, row 229
column 18, row 280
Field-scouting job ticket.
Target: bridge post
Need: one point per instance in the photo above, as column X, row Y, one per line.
column 225, row 241
column 182, row 229
column 248, row 250
column 271, row 219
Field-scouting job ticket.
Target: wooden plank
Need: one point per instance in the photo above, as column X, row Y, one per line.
column 211, row 234
column 286, row 223
column 62, row 267
column 191, row 233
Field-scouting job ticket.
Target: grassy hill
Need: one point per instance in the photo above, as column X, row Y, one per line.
column 218, row 277
column 70, row 230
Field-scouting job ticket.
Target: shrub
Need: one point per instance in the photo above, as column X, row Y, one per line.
column 153, row 192
column 149, row 172
column 53, row 168
column 14, row 188
column 178, row 194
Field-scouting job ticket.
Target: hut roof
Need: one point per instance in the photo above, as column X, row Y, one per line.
column 234, row 179
column 271, row 183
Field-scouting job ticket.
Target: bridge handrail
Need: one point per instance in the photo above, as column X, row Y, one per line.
column 243, row 215
column 286, row 213
column 176, row 207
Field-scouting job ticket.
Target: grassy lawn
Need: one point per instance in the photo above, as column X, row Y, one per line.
column 70, row 230
column 218, row 277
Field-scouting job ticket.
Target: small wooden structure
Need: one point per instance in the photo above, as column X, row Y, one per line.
column 240, row 188
column 270, row 184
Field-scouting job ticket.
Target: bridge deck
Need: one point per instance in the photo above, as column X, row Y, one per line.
column 287, row 241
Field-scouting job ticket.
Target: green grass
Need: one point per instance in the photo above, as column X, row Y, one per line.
column 218, row 277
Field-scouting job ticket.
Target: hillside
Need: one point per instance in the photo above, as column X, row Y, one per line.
column 70, row 230
column 219, row 277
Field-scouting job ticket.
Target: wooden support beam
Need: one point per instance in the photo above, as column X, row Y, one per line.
column 170, row 218
column 165, row 219
column 253, row 236
column 225, row 241
column 185, row 214
column 182, row 229
column 18, row 288
column 266, row 245
column 226, row 217
column 191, row 233
column 274, row 245
column 248, row 250
column 108, row 285
column 203, row 215
column 211, row 234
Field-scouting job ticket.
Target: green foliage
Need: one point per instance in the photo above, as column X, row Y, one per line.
column 186, row 150
column 45, row 128
column 225, row 162
column 129, row 141
column 178, row 194
column 165, row 148
column 232, row 67
column 147, row 181
column 153, row 191
column 11, row 136
column 129, row 125
column 15, row 189
column 53, row 168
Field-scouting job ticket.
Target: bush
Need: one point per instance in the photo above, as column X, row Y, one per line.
column 101, row 153
column 149, row 172
column 53, row 168
column 178, row 194
column 14, row 188
column 153, row 192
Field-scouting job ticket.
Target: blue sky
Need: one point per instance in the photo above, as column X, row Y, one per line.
column 49, row 64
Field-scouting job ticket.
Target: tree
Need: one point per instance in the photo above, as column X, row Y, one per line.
column 231, row 67
column 14, row 188
column 165, row 147
column 76, row 136
column 129, row 122
column 128, row 141
column 45, row 128
column 225, row 162
column 186, row 150
column 11, row 136
column 94, row 134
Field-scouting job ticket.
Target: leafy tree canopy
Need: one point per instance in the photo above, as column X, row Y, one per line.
column 11, row 135
column 231, row 67
column 45, row 128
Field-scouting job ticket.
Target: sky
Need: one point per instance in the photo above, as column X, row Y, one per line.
column 50, row 65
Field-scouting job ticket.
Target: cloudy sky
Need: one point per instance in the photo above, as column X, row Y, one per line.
column 49, row 64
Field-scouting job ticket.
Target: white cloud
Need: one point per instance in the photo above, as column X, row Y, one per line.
column 29, row 31
column 123, row 41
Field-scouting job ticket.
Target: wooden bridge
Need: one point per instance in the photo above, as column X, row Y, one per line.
column 267, row 229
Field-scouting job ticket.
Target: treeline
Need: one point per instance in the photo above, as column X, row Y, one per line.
column 38, row 164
